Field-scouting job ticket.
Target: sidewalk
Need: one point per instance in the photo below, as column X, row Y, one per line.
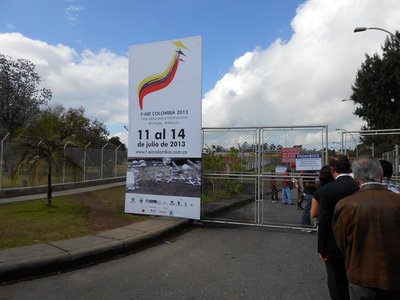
column 24, row 262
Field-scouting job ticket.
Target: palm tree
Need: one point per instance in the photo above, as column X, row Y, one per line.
column 43, row 143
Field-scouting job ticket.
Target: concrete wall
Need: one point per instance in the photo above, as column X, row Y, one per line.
column 14, row 192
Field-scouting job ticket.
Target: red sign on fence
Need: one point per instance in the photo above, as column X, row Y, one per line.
column 289, row 154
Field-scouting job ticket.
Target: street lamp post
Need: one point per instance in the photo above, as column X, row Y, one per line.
column 360, row 29
column 354, row 140
column 342, row 146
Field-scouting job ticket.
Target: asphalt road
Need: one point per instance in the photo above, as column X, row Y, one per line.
column 210, row 262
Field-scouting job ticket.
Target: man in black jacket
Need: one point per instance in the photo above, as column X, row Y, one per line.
column 344, row 185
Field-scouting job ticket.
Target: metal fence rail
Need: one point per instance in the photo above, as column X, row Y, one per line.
column 95, row 164
column 239, row 165
column 353, row 145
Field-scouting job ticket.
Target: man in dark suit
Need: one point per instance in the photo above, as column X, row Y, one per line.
column 366, row 226
column 344, row 185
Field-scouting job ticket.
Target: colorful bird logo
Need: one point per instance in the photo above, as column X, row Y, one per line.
column 160, row 81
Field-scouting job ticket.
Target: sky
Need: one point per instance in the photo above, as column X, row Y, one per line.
column 265, row 62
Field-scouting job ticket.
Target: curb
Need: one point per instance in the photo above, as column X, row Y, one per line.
column 24, row 262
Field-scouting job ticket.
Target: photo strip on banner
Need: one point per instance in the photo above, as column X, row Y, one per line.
column 165, row 141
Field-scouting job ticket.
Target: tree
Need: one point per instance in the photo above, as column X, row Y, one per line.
column 21, row 97
column 115, row 140
column 377, row 88
column 43, row 143
column 85, row 130
column 377, row 91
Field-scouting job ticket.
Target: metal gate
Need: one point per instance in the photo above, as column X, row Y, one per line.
column 240, row 164
column 364, row 142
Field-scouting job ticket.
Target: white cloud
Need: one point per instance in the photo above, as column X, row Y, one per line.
column 72, row 14
column 96, row 81
column 302, row 81
column 10, row 26
column 297, row 82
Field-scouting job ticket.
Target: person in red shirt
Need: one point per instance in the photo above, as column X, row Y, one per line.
column 286, row 190
column 274, row 190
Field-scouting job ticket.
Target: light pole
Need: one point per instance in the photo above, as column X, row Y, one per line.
column 341, row 142
column 360, row 29
column 354, row 140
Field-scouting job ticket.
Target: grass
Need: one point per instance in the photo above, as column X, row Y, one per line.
column 33, row 222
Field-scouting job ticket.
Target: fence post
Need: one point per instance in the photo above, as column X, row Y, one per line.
column 341, row 144
column 102, row 157
column 325, row 153
column 1, row 159
column 396, row 159
column 84, row 161
column 260, row 188
column 116, row 157
column 65, row 146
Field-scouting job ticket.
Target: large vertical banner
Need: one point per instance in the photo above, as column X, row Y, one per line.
column 165, row 141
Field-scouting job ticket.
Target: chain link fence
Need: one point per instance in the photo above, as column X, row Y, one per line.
column 94, row 164
column 240, row 165
column 393, row 158
column 371, row 142
column 230, row 167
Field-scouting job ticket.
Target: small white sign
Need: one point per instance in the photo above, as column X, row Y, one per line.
column 308, row 162
column 280, row 169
